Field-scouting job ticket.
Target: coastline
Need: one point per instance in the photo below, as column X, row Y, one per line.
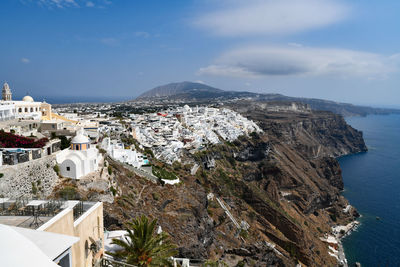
column 348, row 229
column 334, row 241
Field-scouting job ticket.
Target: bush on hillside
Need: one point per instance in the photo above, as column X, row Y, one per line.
column 163, row 174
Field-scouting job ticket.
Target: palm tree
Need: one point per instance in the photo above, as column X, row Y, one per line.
column 142, row 246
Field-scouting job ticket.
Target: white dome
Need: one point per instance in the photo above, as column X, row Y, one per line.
column 80, row 138
column 27, row 99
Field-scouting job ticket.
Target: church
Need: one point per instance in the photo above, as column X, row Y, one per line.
column 80, row 159
column 26, row 108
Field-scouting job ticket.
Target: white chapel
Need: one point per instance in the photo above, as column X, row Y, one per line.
column 80, row 159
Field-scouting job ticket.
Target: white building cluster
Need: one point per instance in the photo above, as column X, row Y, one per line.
column 167, row 133
column 117, row 151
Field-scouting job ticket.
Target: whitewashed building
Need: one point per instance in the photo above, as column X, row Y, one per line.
column 80, row 159
column 27, row 108
column 118, row 152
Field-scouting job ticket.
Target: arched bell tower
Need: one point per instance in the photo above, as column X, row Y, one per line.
column 6, row 92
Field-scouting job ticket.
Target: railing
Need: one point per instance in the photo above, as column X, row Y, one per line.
column 78, row 210
column 110, row 262
column 19, row 207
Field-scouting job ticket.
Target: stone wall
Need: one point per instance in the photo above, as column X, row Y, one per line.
column 22, row 179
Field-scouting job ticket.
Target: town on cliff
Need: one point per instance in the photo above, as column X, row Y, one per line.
column 234, row 182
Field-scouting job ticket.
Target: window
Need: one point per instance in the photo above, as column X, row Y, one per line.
column 31, row 109
column 20, row 110
column 26, row 109
column 68, row 169
column 64, row 260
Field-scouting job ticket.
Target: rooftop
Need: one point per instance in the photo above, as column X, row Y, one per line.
column 33, row 214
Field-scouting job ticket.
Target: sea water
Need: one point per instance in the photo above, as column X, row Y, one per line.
column 372, row 185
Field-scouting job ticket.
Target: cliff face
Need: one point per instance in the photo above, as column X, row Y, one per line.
column 284, row 184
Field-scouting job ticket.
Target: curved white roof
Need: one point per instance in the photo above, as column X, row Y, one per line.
column 80, row 138
column 52, row 244
column 28, row 98
column 18, row 250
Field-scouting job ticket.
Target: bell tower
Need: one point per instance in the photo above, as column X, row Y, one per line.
column 6, row 92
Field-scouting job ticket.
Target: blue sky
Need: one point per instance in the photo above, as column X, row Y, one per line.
column 116, row 49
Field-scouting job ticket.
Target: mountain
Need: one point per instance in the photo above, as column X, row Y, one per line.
column 183, row 89
column 199, row 92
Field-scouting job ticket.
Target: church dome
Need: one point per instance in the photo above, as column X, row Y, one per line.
column 27, row 99
column 80, row 138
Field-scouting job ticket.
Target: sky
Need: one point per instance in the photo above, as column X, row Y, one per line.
column 70, row 50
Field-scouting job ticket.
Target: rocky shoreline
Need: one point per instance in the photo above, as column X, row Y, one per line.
column 334, row 241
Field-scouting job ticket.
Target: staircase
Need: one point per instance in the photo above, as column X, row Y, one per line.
column 228, row 213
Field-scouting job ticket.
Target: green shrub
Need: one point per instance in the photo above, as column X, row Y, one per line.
column 156, row 196
column 210, row 212
column 243, row 233
column 109, row 169
column 34, row 189
column 56, row 168
column 1, row 175
column 319, row 230
column 65, row 142
column 68, row 192
column 333, row 217
column 148, row 152
column 113, row 191
column 163, row 174
column 176, row 165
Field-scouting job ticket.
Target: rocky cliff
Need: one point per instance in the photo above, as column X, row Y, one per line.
column 282, row 188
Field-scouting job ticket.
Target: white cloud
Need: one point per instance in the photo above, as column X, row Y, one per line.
column 110, row 41
column 58, row 3
column 295, row 44
column 304, row 61
column 266, row 17
column 25, row 60
column 71, row 3
column 142, row 34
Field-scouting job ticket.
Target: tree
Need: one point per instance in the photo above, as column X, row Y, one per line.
column 142, row 246
column 65, row 142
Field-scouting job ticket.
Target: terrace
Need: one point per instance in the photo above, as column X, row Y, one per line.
column 34, row 213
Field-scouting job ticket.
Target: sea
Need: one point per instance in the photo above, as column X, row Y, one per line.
column 372, row 185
